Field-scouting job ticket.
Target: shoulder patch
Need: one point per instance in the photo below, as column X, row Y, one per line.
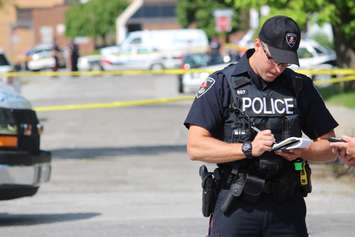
column 205, row 86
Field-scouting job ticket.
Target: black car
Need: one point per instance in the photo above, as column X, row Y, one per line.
column 23, row 165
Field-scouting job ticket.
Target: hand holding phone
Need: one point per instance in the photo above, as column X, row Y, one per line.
column 335, row 139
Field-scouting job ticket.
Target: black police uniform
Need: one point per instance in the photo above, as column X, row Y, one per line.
column 288, row 105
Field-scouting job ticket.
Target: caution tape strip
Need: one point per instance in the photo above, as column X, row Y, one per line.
column 145, row 102
column 335, row 80
column 113, row 104
column 335, row 71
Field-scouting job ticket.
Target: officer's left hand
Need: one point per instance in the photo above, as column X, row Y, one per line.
column 290, row 154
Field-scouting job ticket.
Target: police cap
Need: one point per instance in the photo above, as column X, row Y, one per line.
column 282, row 36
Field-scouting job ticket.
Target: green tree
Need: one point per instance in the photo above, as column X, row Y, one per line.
column 200, row 12
column 95, row 18
column 339, row 13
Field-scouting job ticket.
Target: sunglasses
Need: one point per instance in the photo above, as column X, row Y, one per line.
column 271, row 59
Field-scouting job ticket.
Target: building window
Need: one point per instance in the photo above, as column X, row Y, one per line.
column 156, row 11
column 24, row 17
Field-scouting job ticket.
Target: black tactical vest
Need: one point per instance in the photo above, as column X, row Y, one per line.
column 273, row 108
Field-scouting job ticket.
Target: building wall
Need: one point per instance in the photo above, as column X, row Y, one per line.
column 160, row 25
column 53, row 18
column 18, row 38
column 38, row 3
column 8, row 31
column 50, row 18
column 156, row 14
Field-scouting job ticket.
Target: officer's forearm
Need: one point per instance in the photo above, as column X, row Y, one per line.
column 203, row 147
column 319, row 151
column 214, row 151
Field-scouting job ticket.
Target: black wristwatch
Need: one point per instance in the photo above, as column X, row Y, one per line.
column 247, row 150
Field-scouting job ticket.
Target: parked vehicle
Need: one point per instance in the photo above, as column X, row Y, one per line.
column 314, row 56
column 195, row 60
column 90, row 63
column 5, row 67
column 140, row 58
column 192, row 81
column 114, row 49
column 156, row 49
column 179, row 40
column 311, row 56
column 42, row 57
column 24, row 166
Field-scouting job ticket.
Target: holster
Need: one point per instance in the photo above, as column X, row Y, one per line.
column 244, row 186
column 209, row 190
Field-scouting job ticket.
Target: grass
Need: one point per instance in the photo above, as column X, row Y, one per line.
column 336, row 95
column 344, row 99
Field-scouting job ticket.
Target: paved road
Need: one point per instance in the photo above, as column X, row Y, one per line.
column 124, row 171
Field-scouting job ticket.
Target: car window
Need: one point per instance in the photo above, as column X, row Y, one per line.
column 3, row 60
column 322, row 50
column 304, row 53
column 142, row 50
column 196, row 60
column 318, row 51
column 136, row 41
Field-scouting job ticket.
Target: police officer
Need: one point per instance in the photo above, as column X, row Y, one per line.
column 345, row 149
column 238, row 114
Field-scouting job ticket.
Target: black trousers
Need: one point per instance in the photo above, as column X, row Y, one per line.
column 265, row 218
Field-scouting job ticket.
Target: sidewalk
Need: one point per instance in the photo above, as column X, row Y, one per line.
column 346, row 119
column 331, row 209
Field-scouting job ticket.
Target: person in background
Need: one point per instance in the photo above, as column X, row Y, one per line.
column 74, row 56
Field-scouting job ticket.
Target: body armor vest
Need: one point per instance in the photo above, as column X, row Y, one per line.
column 275, row 109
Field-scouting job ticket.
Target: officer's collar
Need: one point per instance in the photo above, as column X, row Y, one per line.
column 243, row 67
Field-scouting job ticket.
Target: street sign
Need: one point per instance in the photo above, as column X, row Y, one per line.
column 223, row 20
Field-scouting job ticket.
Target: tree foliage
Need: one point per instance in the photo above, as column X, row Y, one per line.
column 95, row 18
column 339, row 13
column 200, row 12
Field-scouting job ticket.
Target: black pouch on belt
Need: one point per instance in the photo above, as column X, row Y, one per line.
column 209, row 191
column 253, row 188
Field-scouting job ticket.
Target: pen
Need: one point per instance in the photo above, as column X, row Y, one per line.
column 255, row 129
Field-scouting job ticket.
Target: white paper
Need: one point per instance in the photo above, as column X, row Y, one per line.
column 292, row 143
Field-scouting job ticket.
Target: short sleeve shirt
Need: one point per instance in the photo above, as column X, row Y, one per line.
column 210, row 108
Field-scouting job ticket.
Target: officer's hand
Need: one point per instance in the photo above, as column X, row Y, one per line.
column 262, row 142
column 291, row 154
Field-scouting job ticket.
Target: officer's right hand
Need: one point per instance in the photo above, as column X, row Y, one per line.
column 262, row 142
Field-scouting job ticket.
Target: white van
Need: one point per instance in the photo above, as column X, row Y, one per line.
column 156, row 49
column 181, row 40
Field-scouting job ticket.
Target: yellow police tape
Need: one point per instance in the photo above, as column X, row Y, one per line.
column 335, row 71
column 145, row 102
column 334, row 80
column 345, row 75
column 113, row 104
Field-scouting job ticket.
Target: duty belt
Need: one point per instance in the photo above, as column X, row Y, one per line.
column 253, row 186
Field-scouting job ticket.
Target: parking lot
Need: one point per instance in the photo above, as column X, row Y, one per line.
column 125, row 172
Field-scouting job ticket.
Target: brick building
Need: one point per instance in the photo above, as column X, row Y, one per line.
column 155, row 14
column 26, row 23
column 18, row 25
